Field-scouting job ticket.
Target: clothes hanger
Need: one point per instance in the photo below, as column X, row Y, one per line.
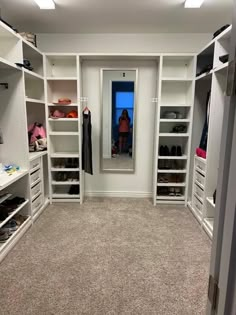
column 86, row 109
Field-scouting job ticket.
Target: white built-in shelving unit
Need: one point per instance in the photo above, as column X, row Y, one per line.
column 175, row 94
column 22, row 103
column 204, row 172
column 64, row 134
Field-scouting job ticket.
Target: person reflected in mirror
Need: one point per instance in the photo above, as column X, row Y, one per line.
column 124, row 130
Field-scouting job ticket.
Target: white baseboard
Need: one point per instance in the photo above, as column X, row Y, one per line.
column 120, row 194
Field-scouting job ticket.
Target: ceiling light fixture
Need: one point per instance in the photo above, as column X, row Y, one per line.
column 45, row 4
column 193, row 3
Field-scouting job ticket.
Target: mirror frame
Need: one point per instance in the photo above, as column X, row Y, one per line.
column 118, row 171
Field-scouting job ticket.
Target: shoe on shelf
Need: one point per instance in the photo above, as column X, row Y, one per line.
column 169, row 115
column 161, row 150
column 178, row 192
column 173, row 151
column 19, row 219
column 171, row 191
column 10, row 227
column 179, row 115
column 4, row 236
column 179, row 151
column 166, row 151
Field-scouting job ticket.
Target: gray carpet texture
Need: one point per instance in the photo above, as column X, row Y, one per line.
column 108, row 256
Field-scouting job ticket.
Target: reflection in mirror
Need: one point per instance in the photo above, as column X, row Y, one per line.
column 118, row 119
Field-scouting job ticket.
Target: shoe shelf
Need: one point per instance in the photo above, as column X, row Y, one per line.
column 197, row 214
column 171, row 184
column 174, row 134
column 171, row 171
column 174, row 104
column 166, row 197
column 63, row 169
column 207, row 225
column 65, row 196
column 68, row 182
column 5, row 197
column 36, row 155
column 65, row 155
column 15, row 237
column 163, row 120
column 2, row 223
column 8, row 65
column 32, row 75
column 169, row 157
column 178, row 79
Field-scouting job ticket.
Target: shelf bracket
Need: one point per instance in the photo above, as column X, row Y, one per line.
column 5, row 85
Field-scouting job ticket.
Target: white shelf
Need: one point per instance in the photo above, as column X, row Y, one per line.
column 172, row 171
column 65, row 196
column 62, row 78
column 199, row 198
column 200, row 171
column 6, row 180
column 63, row 133
column 160, row 197
column 68, row 105
column 14, row 213
column 5, row 197
column 32, row 74
column 174, row 134
column 5, row 64
column 174, row 120
column 63, row 119
column 182, row 157
column 65, row 155
column 199, row 184
column 30, row 45
column 178, row 79
column 171, row 184
column 200, row 159
column 65, row 183
column 18, row 233
column 224, row 66
column 195, row 212
column 210, row 201
column 205, row 76
column 57, row 169
column 33, row 100
column 35, row 155
column 175, row 105
column 208, row 226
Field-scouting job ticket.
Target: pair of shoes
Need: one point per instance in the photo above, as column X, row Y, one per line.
column 72, row 163
column 74, row 190
column 163, row 179
column 10, row 227
column 176, row 151
column 175, row 191
column 179, row 129
column 4, row 236
column 172, row 115
column 164, row 151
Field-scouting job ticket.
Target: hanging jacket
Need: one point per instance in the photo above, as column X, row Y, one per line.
column 87, row 164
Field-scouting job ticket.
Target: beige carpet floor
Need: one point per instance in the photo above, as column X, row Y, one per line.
column 108, row 256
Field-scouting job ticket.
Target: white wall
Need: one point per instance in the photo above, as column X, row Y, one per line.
column 140, row 183
column 127, row 43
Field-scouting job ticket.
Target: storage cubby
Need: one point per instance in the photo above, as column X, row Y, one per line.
column 34, row 88
column 64, row 192
column 205, row 58
column 61, row 66
column 65, row 164
column 174, row 142
column 222, row 48
column 63, row 126
column 35, row 58
column 64, row 144
column 178, row 67
column 65, row 177
column 172, row 127
column 175, row 93
column 172, row 164
column 57, row 89
column 10, row 49
column 170, row 193
column 35, row 113
column 175, row 113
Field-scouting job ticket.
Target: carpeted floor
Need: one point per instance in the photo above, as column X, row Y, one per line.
column 108, row 256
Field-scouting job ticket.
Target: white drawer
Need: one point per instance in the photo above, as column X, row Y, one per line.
column 198, row 192
column 200, row 178
column 200, row 165
column 34, row 177
column 36, row 190
column 197, row 205
column 37, row 203
column 34, row 165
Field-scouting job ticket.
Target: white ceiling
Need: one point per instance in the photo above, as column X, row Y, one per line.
column 117, row 16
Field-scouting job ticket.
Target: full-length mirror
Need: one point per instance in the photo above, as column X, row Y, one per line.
column 118, row 120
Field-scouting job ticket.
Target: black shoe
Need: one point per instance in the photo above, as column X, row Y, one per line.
column 166, row 151
column 161, row 151
column 173, row 151
column 214, row 197
column 179, row 150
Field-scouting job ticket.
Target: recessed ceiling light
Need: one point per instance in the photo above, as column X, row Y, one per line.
column 193, row 3
column 45, row 4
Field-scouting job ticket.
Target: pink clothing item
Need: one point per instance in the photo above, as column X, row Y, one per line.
column 38, row 133
column 201, row 153
column 123, row 125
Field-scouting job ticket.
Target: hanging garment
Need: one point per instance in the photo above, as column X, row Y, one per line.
column 87, row 163
column 203, row 142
